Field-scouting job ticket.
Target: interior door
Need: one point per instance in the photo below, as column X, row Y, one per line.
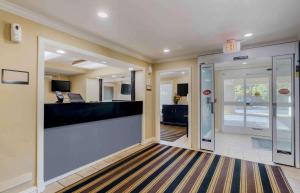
column 283, row 110
column 207, row 119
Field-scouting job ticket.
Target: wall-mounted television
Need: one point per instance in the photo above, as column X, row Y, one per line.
column 125, row 89
column 182, row 89
column 60, row 85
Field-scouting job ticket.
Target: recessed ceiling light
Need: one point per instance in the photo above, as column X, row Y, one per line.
column 103, row 62
column 60, row 51
column 247, row 35
column 89, row 65
column 130, row 68
column 167, row 50
column 182, row 72
column 51, row 55
column 244, row 63
column 102, row 14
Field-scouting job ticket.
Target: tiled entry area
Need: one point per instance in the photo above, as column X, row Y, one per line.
column 243, row 147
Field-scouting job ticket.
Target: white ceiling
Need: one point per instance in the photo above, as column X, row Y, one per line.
column 187, row 27
column 63, row 63
column 174, row 74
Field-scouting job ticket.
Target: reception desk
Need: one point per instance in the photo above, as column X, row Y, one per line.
column 77, row 134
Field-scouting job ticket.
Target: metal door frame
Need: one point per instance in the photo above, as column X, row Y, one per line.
column 208, row 144
column 283, row 157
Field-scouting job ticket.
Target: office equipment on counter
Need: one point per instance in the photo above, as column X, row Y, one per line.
column 59, row 96
column 75, row 98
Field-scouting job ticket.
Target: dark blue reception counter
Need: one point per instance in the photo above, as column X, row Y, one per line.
column 77, row 134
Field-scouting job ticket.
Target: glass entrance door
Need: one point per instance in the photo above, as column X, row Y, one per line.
column 207, row 118
column 283, row 110
column 246, row 104
column 257, row 102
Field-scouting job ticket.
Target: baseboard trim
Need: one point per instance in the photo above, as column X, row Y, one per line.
column 150, row 140
column 30, row 190
column 87, row 165
column 11, row 183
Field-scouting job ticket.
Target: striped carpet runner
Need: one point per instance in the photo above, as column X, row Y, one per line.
column 171, row 133
column 160, row 168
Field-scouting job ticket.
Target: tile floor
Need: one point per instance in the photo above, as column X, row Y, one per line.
column 292, row 174
column 240, row 146
column 181, row 142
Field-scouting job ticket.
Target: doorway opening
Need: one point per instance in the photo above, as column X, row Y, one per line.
column 242, row 108
column 174, row 107
column 248, row 108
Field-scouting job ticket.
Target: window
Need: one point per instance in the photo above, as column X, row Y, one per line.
column 166, row 94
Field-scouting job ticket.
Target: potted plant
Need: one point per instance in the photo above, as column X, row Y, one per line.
column 176, row 99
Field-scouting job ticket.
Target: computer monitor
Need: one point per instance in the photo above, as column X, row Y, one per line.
column 75, row 98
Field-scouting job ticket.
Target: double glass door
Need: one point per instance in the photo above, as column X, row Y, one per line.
column 246, row 104
column 264, row 104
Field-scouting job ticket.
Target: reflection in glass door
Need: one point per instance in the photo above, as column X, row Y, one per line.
column 207, row 107
column 283, row 110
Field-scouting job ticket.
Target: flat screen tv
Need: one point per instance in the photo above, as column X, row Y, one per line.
column 126, row 89
column 60, row 85
column 182, row 89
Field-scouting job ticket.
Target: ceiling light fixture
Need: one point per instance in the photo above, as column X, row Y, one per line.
column 60, row 51
column 102, row 15
column 247, row 35
column 50, row 55
column 182, row 72
column 167, row 50
column 244, row 63
column 130, row 68
column 88, row 64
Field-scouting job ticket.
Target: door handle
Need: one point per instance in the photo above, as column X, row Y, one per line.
column 212, row 108
column 274, row 109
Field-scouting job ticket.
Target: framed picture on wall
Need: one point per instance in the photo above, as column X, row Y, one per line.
column 14, row 76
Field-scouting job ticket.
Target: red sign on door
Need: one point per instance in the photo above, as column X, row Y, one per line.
column 207, row 92
column 284, row 91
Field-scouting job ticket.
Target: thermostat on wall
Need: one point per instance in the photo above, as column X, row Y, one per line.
column 16, row 33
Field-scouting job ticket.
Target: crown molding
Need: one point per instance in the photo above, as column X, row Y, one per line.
column 60, row 26
column 176, row 59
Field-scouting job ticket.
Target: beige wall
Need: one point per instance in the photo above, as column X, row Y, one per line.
column 192, row 64
column 18, row 114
